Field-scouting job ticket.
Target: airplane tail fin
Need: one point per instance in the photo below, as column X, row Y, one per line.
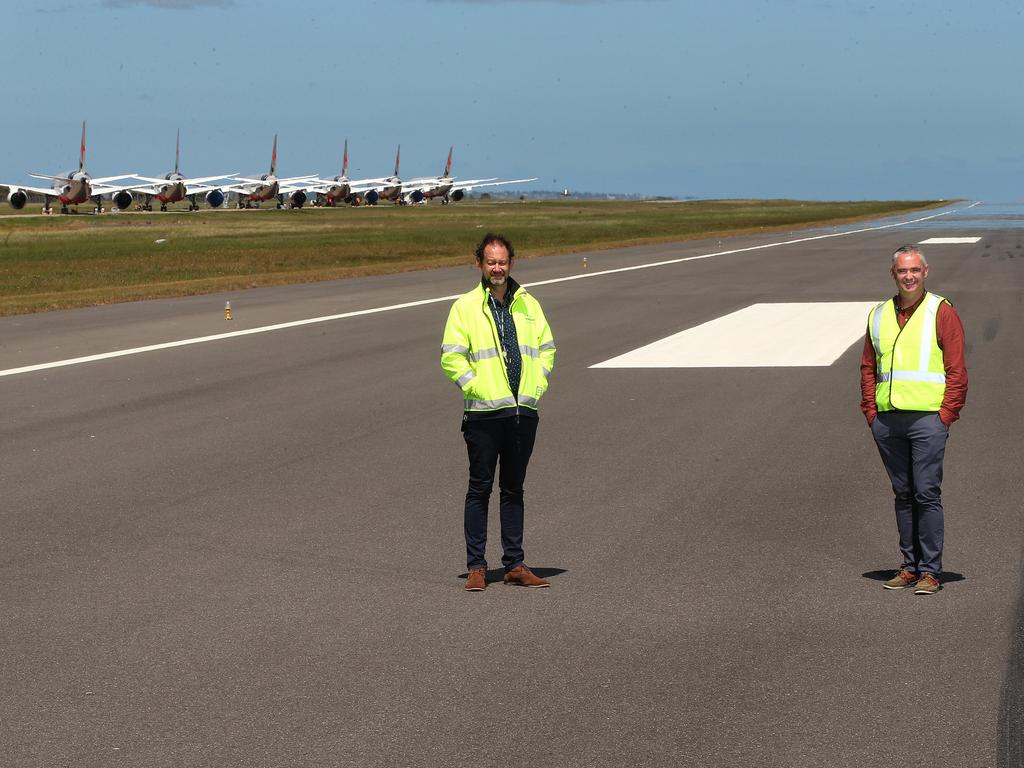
column 273, row 158
column 81, row 150
column 177, row 150
column 398, row 155
column 344, row 161
column 448, row 165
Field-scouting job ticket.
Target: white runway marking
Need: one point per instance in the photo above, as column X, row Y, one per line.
column 758, row 336
column 949, row 240
column 342, row 316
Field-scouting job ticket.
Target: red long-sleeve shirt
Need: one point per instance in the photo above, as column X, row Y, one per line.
column 950, row 336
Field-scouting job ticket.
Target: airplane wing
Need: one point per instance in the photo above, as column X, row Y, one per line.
column 295, row 186
column 368, row 184
column 311, row 178
column 34, row 194
column 199, row 180
column 148, row 189
column 106, row 189
column 107, row 179
column 380, row 180
column 472, row 185
column 424, row 181
column 205, row 179
column 202, row 189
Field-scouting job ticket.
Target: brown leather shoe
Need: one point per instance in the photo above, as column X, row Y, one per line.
column 928, row 585
column 904, row 578
column 521, row 576
column 477, row 580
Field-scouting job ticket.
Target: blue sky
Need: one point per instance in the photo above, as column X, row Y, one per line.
column 759, row 98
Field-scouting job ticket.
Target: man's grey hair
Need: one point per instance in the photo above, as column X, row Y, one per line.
column 909, row 249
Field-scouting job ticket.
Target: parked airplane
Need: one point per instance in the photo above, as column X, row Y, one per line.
column 173, row 187
column 448, row 188
column 251, row 192
column 391, row 189
column 330, row 191
column 72, row 188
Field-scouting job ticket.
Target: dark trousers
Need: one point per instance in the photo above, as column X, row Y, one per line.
column 508, row 443
column 912, row 444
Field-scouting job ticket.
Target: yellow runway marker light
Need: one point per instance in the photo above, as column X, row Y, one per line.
column 227, row 310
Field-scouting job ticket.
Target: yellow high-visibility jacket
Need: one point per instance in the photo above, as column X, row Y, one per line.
column 909, row 370
column 471, row 351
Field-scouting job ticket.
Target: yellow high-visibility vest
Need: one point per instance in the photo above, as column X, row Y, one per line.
column 471, row 352
column 909, row 372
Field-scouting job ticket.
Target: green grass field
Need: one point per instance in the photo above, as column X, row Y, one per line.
column 58, row 262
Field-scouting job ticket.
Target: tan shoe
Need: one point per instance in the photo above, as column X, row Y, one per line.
column 902, row 579
column 477, row 580
column 521, row 576
column 927, row 585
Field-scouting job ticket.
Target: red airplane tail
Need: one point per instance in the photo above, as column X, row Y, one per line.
column 344, row 161
column 81, row 151
column 273, row 157
column 398, row 155
column 448, row 165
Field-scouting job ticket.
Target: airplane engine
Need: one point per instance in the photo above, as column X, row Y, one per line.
column 17, row 199
column 297, row 198
column 457, row 195
column 122, row 199
column 371, row 196
column 215, row 198
column 416, row 196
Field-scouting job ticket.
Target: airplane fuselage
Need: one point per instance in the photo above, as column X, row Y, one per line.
column 441, row 190
column 340, row 190
column 72, row 191
column 392, row 192
column 172, row 192
column 266, row 191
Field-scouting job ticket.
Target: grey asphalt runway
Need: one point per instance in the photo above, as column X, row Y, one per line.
column 248, row 551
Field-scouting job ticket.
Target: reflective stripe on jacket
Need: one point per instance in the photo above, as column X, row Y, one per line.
column 909, row 370
column 471, row 352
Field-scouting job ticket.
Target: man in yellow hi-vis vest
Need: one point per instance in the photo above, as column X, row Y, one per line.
column 498, row 349
column 913, row 385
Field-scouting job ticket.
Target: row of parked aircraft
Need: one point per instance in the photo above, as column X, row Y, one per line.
column 77, row 187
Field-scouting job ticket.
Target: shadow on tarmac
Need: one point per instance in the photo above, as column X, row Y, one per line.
column 1010, row 738
column 946, row 577
column 498, row 574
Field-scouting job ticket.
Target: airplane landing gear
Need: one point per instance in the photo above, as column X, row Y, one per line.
column 163, row 208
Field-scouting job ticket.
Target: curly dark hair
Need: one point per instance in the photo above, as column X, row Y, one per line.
column 489, row 238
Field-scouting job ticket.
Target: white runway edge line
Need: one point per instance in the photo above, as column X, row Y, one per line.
column 407, row 305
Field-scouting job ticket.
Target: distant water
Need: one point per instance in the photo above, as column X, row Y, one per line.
column 961, row 217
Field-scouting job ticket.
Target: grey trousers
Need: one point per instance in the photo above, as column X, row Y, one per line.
column 912, row 444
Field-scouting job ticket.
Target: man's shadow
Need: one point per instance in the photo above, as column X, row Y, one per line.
column 946, row 577
column 498, row 574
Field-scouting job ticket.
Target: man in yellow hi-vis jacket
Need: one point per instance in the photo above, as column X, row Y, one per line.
column 498, row 349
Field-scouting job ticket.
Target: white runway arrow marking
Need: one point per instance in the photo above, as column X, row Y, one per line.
column 759, row 336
